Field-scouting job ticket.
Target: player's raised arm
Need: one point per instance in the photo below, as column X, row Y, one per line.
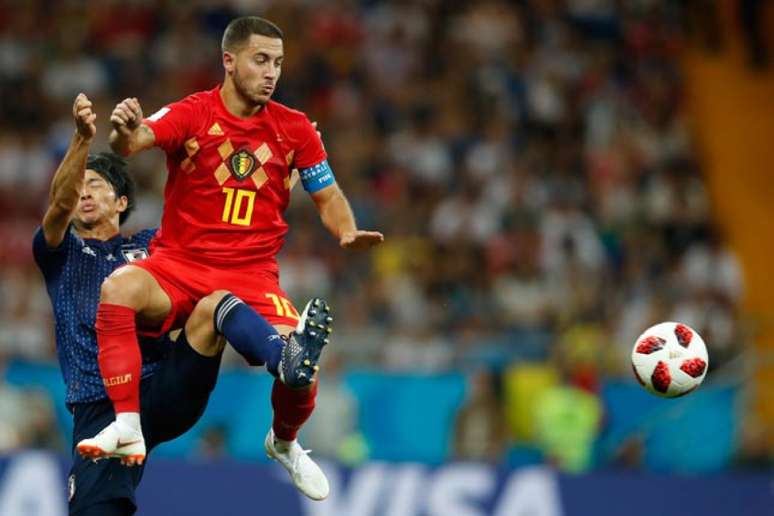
column 68, row 179
column 130, row 134
column 317, row 179
column 337, row 216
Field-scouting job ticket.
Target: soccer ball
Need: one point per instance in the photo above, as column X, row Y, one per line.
column 670, row 359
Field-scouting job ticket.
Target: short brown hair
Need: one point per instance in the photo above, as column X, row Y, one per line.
column 240, row 29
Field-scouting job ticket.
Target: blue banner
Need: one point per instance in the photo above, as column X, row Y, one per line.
column 33, row 484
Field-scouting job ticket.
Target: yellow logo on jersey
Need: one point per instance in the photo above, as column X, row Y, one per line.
column 242, row 164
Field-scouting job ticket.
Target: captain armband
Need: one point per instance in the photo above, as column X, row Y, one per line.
column 317, row 177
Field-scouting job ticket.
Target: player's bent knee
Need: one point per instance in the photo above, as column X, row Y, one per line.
column 214, row 298
column 205, row 308
column 126, row 286
column 200, row 327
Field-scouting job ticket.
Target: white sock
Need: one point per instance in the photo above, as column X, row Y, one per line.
column 281, row 445
column 130, row 419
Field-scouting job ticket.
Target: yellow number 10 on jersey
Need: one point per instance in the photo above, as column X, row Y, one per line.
column 233, row 207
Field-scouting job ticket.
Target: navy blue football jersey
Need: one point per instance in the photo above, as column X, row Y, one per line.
column 74, row 272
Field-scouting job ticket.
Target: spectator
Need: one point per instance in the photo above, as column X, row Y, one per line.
column 568, row 420
column 480, row 430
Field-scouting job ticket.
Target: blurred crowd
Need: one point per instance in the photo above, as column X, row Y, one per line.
column 530, row 164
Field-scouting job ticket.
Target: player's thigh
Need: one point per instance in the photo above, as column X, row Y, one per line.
column 178, row 392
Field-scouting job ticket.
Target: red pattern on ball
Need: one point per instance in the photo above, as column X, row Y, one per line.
column 661, row 377
column 684, row 335
column 694, row 367
column 650, row 345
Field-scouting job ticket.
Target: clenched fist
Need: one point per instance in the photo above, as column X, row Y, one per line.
column 84, row 117
column 126, row 116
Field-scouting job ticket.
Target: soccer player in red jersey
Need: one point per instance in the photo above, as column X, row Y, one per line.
column 230, row 156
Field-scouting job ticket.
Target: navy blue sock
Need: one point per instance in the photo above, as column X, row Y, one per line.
column 248, row 333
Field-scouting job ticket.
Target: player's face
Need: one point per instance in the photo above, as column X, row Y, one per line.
column 98, row 202
column 257, row 67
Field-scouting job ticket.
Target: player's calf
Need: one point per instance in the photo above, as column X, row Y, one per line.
column 248, row 332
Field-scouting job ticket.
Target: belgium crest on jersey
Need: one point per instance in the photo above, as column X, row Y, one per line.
column 242, row 163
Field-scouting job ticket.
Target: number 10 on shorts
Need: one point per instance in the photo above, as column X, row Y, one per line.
column 283, row 306
column 235, row 200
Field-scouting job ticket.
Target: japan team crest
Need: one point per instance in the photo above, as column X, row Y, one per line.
column 133, row 255
column 243, row 164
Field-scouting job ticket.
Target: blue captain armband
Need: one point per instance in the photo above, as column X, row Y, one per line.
column 317, row 177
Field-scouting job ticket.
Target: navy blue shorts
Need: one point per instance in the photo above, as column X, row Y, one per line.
column 172, row 401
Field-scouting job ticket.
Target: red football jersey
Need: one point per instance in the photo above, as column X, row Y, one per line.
column 229, row 178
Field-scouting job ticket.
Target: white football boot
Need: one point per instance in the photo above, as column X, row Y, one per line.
column 306, row 475
column 117, row 440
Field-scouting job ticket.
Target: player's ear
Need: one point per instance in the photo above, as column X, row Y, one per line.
column 229, row 60
column 122, row 203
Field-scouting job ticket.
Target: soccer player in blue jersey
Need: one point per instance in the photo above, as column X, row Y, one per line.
column 77, row 246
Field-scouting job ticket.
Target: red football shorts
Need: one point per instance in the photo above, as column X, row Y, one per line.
column 186, row 281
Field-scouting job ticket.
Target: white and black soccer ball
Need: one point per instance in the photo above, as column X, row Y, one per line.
column 670, row 359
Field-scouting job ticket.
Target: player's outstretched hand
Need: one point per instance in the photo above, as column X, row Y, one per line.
column 84, row 117
column 359, row 239
column 127, row 116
